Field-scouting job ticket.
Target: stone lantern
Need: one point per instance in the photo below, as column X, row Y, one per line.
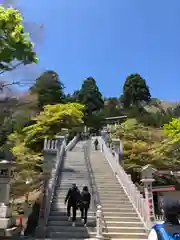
column 7, row 223
column 147, row 179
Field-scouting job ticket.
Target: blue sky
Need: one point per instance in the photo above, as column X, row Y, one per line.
column 108, row 40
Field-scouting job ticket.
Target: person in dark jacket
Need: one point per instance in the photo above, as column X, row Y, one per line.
column 85, row 203
column 72, row 199
column 96, row 144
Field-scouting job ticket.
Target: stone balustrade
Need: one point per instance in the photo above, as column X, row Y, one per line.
column 140, row 204
column 54, row 152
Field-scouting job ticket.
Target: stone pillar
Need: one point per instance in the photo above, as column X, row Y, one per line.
column 7, row 223
column 147, row 179
column 51, row 153
column 118, row 149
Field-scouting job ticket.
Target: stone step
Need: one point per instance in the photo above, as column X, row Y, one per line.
column 124, row 224
column 82, row 229
column 126, row 229
column 110, row 190
column 71, row 234
column 78, row 214
column 63, row 191
column 66, row 186
column 98, row 168
column 106, row 174
column 120, row 218
column 73, row 164
column 74, row 176
column 122, row 214
column 102, row 170
column 114, row 199
column 114, row 195
column 82, row 174
column 90, row 223
column 62, row 188
column 106, row 238
column 79, row 229
column 67, row 238
column 108, row 179
column 59, row 198
column 109, row 184
column 65, row 180
column 81, row 182
column 117, row 205
column 105, row 199
column 118, row 210
column 122, row 199
column 128, row 235
column 64, row 218
column 59, row 207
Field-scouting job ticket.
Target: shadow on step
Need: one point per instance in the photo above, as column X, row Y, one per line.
column 70, row 170
column 60, row 228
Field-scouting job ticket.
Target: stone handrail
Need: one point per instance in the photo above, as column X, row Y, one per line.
column 72, row 143
column 94, row 190
column 53, row 180
column 139, row 203
column 87, row 162
column 50, row 181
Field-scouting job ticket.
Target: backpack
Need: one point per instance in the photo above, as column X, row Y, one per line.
column 162, row 234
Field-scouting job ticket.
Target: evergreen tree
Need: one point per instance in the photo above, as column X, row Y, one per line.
column 90, row 96
column 135, row 91
column 49, row 89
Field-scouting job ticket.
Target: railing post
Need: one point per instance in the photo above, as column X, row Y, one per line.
column 99, row 223
column 102, row 148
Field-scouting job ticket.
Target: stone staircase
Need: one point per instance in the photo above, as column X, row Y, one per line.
column 73, row 171
column 122, row 220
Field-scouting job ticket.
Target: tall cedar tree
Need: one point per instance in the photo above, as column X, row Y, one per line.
column 90, row 96
column 135, row 91
column 49, row 89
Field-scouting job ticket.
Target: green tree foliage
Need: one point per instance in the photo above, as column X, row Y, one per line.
column 49, row 89
column 90, row 96
column 147, row 117
column 172, row 130
column 48, row 123
column 135, row 91
column 27, row 144
column 14, row 42
column 146, row 145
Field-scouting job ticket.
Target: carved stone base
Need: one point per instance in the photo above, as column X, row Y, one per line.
column 5, row 211
column 7, row 222
column 10, row 233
